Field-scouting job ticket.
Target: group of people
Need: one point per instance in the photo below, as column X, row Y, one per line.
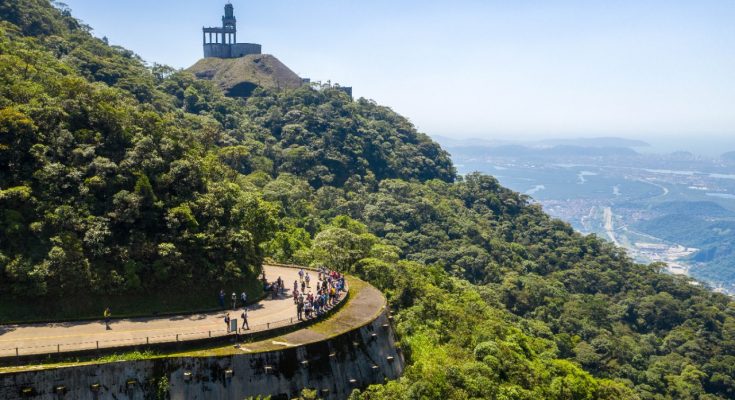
column 329, row 286
column 276, row 288
column 243, row 299
column 243, row 316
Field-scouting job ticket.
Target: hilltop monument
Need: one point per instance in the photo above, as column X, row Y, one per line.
column 240, row 68
column 222, row 42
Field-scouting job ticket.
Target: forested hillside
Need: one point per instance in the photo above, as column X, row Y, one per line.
column 121, row 177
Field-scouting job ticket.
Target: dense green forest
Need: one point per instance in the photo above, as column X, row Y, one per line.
column 117, row 176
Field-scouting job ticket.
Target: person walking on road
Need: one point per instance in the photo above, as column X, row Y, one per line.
column 307, row 278
column 244, row 297
column 107, row 315
column 227, row 322
column 244, row 316
column 301, row 274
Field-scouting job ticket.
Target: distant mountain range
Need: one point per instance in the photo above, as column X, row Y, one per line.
column 595, row 142
column 614, row 142
column 700, row 209
column 514, row 150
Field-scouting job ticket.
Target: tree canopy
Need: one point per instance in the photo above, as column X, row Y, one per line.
column 120, row 177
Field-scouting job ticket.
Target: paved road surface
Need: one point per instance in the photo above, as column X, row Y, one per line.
column 46, row 338
column 609, row 228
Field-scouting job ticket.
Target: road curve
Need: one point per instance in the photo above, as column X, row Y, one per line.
column 73, row 336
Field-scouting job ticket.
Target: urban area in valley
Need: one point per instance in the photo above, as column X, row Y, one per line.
column 677, row 208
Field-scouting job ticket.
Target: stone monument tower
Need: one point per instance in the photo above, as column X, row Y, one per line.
column 222, row 42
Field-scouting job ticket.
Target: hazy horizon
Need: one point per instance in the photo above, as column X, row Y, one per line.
column 711, row 146
column 659, row 71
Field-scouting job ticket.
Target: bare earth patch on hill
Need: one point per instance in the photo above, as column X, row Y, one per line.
column 238, row 77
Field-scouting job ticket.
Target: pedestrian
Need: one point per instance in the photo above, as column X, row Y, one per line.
column 299, row 309
column 303, row 286
column 244, row 297
column 227, row 322
column 222, row 298
column 301, row 274
column 307, row 309
column 234, row 301
column 308, row 278
column 107, row 315
column 244, row 316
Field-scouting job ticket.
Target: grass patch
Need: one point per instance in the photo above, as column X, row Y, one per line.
column 77, row 362
column 327, row 327
column 81, row 306
column 214, row 351
column 132, row 356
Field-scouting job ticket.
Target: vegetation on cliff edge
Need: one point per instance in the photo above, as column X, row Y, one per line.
column 117, row 177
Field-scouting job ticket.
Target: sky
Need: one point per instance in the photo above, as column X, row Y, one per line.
column 526, row 69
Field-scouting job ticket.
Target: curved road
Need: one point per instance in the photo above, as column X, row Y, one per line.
column 71, row 336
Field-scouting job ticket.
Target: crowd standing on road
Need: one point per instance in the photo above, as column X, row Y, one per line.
column 309, row 304
column 329, row 287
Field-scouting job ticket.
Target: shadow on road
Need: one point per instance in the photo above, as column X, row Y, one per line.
column 6, row 329
column 193, row 317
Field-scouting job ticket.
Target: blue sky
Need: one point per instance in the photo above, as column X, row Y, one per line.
column 494, row 69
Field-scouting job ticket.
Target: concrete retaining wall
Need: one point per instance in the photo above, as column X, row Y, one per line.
column 334, row 367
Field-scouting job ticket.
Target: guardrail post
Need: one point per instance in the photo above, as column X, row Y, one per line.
column 58, row 348
column 210, row 333
column 268, row 325
column 17, row 353
column 98, row 345
column 147, row 341
column 177, row 337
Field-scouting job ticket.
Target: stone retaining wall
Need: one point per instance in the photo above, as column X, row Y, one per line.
column 334, row 367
